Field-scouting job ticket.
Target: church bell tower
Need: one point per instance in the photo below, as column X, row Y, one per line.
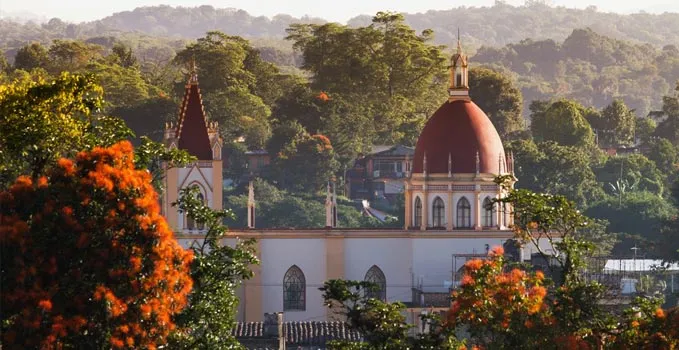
column 193, row 133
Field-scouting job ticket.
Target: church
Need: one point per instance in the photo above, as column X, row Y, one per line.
column 449, row 217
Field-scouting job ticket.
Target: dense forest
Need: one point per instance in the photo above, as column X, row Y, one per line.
column 558, row 105
column 497, row 25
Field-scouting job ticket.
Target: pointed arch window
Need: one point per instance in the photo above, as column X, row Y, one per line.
column 191, row 223
column 294, row 290
column 418, row 212
column 376, row 276
column 464, row 213
column 488, row 213
column 438, row 214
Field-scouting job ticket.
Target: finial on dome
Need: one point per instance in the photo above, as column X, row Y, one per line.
column 424, row 164
column 459, row 45
column 459, row 76
column 450, row 165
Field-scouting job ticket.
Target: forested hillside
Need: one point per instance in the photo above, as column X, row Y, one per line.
column 490, row 26
column 589, row 67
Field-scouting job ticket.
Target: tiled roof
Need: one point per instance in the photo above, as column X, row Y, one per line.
column 397, row 150
column 192, row 125
column 458, row 131
column 316, row 333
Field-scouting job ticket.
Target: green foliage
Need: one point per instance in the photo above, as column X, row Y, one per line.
column 497, row 95
column 277, row 208
column 30, row 57
column 639, row 215
column 148, row 116
column 381, row 324
column 663, row 154
column 615, row 125
column 591, row 68
column 563, row 122
column 45, row 120
column 236, row 84
column 396, row 75
column 304, row 163
column 635, row 171
column 551, row 168
column 71, row 56
column 666, row 246
column 644, row 128
column 669, row 127
column 217, row 271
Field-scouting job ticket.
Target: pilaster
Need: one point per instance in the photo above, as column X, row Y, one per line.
column 449, row 211
column 217, row 184
column 334, row 263
column 407, row 197
column 252, row 297
column 477, row 208
column 425, row 207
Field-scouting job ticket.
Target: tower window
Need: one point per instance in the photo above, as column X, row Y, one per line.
column 294, row 290
column 464, row 213
column 418, row 212
column 438, row 212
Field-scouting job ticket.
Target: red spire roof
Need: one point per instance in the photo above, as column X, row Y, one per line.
column 192, row 126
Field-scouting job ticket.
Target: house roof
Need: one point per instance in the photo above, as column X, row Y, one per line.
column 309, row 333
column 192, row 129
column 396, row 150
column 637, row 265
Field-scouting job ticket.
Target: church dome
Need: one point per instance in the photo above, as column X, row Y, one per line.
column 456, row 132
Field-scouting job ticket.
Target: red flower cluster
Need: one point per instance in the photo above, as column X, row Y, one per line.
column 89, row 260
column 493, row 300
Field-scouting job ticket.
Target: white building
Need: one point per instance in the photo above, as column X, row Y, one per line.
column 457, row 157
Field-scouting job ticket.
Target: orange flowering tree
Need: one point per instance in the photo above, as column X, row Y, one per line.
column 647, row 326
column 501, row 308
column 88, row 261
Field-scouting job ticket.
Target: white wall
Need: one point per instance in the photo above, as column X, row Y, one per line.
column 278, row 255
column 392, row 255
column 433, row 257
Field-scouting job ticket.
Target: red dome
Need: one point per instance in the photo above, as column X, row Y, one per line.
column 459, row 128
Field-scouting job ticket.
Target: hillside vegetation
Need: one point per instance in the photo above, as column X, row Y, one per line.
column 498, row 25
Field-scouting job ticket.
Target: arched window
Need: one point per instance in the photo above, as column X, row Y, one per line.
column 464, row 213
column 190, row 222
column 488, row 212
column 294, row 289
column 418, row 212
column 201, row 225
column 438, row 212
column 376, row 276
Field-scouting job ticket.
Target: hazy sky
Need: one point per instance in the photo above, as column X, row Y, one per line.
column 85, row 10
